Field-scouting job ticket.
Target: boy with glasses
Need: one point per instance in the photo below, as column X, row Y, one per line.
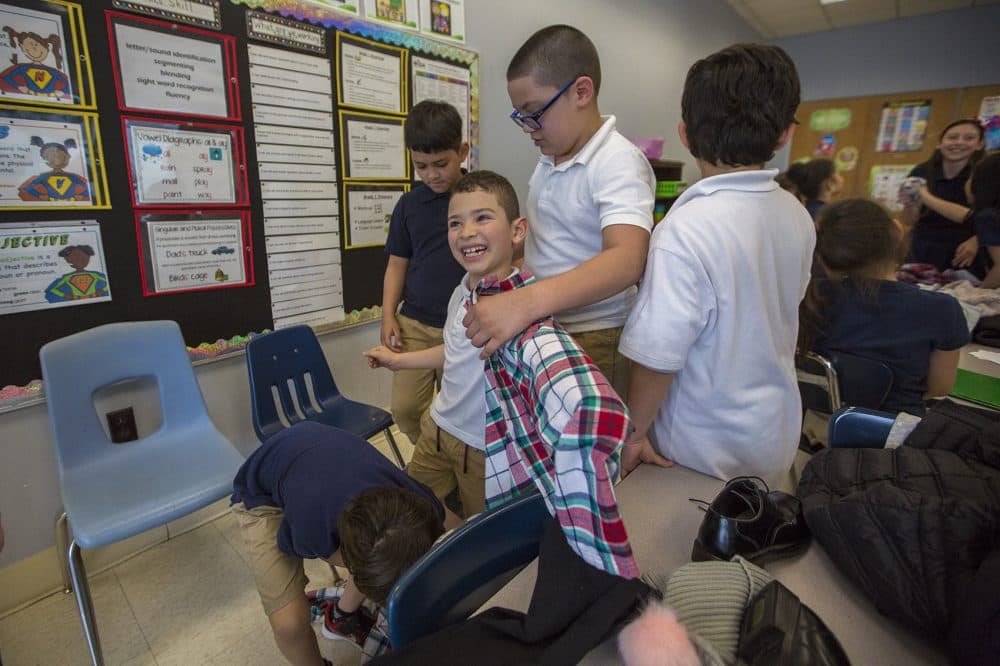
column 590, row 202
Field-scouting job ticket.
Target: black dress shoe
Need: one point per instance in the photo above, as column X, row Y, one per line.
column 749, row 520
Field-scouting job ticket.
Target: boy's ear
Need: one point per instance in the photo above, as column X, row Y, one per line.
column 683, row 134
column 785, row 137
column 519, row 229
column 463, row 151
column 584, row 90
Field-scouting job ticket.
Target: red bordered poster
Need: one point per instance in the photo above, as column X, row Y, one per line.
column 170, row 69
column 185, row 164
column 183, row 252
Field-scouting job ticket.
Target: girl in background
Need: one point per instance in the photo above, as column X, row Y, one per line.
column 817, row 182
column 856, row 306
column 939, row 217
column 983, row 194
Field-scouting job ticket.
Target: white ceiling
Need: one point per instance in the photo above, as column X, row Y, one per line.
column 783, row 18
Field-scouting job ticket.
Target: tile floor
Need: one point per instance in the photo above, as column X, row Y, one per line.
column 190, row 600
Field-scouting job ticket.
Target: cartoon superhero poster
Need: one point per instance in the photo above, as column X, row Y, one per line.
column 34, row 57
column 51, row 264
column 43, row 163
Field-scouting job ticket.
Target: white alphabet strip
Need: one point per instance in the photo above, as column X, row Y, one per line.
column 171, row 73
column 297, row 292
column 293, row 190
column 301, row 243
column 293, row 136
column 314, row 319
column 304, row 208
column 288, row 279
column 296, row 99
column 284, row 171
column 266, row 56
column 283, row 78
column 196, row 254
column 276, row 115
column 286, row 260
column 175, row 166
column 311, row 303
column 277, row 226
column 269, row 152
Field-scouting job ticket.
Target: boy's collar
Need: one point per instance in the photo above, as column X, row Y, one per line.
column 490, row 285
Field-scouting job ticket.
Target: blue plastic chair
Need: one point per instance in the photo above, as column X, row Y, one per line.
column 857, row 427
column 459, row 574
column 114, row 491
column 292, row 357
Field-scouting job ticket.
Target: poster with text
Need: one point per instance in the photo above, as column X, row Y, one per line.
column 46, row 163
column 172, row 69
column 373, row 147
column 444, row 19
column 51, row 264
column 902, row 126
column 434, row 79
column 184, row 165
column 194, row 252
column 370, row 74
column 40, row 59
column 369, row 209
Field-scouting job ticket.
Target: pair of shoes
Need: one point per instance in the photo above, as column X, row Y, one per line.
column 748, row 519
column 347, row 626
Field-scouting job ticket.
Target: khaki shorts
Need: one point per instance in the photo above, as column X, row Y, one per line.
column 441, row 462
column 280, row 577
column 602, row 347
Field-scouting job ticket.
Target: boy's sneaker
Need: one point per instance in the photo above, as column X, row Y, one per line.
column 347, row 626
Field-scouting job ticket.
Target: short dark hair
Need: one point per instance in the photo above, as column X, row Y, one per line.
column 737, row 102
column 495, row 184
column 433, row 126
column 86, row 249
column 985, row 183
column 810, row 177
column 556, row 55
column 383, row 531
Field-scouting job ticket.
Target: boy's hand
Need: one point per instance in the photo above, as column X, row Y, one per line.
column 381, row 357
column 640, row 450
column 390, row 336
column 966, row 252
column 496, row 319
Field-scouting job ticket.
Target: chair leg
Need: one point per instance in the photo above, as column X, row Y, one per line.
column 62, row 551
column 395, row 449
column 85, row 604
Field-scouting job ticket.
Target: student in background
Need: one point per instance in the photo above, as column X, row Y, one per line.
column 858, row 307
column 788, row 180
column 939, row 216
column 817, row 182
column 590, row 202
column 983, row 194
column 421, row 273
column 712, row 333
column 313, row 491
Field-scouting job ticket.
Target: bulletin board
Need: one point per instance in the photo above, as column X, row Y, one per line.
column 876, row 140
column 227, row 164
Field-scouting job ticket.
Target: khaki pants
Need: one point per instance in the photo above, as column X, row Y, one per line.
column 413, row 390
column 602, row 347
column 280, row 577
column 441, row 462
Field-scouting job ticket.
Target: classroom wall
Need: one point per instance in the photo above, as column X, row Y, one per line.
column 646, row 47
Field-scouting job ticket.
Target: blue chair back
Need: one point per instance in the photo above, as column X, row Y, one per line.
column 290, row 355
column 863, row 382
column 74, row 368
column 459, row 574
column 857, row 427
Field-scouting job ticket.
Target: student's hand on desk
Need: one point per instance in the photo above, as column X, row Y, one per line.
column 381, row 357
column 389, row 335
column 640, row 450
column 494, row 320
column 966, row 253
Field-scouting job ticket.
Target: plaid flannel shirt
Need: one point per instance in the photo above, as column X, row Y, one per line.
column 554, row 422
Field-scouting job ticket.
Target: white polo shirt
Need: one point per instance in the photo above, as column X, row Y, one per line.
column 460, row 406
column 718, row 305
column 608, row 182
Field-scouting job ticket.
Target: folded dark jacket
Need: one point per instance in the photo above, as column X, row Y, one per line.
column 987, row 331
column 574, row 607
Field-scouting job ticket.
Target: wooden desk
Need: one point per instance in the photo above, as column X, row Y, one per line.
column 662, row 525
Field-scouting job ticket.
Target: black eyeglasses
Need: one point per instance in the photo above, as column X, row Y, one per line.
column 532, row 120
